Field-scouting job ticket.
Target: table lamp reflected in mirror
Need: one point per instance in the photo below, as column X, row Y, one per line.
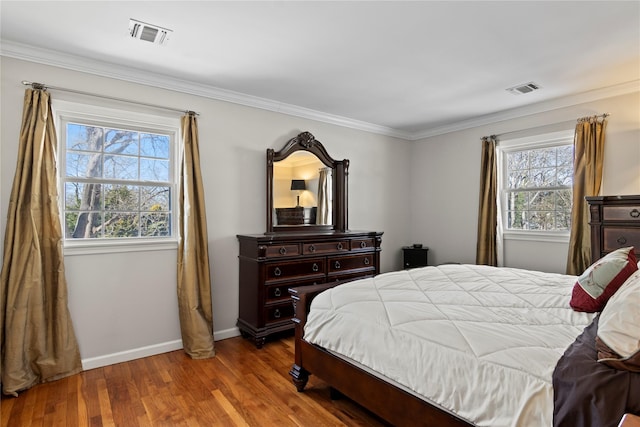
column 298, row 185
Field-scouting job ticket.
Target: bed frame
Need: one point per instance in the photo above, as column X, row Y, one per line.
column 614, row 223
column 383, row 399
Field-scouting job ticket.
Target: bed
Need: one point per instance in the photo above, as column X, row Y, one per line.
column 461, row 344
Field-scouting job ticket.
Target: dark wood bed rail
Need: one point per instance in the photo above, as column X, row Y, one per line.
column 389, row 402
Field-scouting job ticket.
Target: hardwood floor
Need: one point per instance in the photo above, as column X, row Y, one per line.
column 241, row 386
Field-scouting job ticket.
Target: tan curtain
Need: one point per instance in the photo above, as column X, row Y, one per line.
column 587, row 179
column 194, row 283
column 38, row 340
column 486, row 252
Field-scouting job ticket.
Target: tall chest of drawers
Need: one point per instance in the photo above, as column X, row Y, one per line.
column 615, row 223
column 270, row 264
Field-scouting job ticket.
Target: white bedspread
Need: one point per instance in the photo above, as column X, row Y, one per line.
column 479, row 341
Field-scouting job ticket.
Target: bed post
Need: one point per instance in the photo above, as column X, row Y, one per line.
column 301, row 298
column 298, row 374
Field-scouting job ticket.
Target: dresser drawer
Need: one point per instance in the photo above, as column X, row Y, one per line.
column 280, row 291
column 347, row 263
column 287, row 270
column 278, row 251
column 362, row 244
column 621, row 213
column 279, row 312
column 620, row 237
column 326, row 247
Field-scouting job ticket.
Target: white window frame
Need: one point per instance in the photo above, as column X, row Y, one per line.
column 65, row 112
column 553, row 139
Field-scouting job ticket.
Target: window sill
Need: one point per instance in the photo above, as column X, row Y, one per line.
column 537, row 236
column 84, row 247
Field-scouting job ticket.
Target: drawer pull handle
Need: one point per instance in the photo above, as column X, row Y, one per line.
column 277, row 272
column 337, row 264
column 363, row 244
column 635, row 213
column 276, row 313
column 312, row 248
column 622, row 240
column 283, row 250
column 315, row 267
column 277, row 292
column 339, row 246
column 366, row 261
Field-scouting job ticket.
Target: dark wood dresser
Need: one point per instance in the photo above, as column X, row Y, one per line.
column 272, row 263
column 615, row 223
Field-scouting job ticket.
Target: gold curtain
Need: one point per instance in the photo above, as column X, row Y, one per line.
column 194, row 283
column 486, row 251
column 587, row 179
column 38, row 340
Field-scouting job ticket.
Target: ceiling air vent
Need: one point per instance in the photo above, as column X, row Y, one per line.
column 149, row 33
column 524, row 88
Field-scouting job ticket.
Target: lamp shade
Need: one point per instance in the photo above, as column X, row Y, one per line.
column 298, row 184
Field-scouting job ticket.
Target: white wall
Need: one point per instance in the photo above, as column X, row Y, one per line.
column 124, row 305
column 445, row 172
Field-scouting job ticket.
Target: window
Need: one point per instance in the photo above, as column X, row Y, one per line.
column 117, row 180
column 536, row 178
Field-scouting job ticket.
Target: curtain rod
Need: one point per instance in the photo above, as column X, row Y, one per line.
column 604, row 115
column 41, row 86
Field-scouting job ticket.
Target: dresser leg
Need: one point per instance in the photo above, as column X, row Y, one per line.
column 260, row 341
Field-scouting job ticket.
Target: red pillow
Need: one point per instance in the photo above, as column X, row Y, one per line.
column 602, row 279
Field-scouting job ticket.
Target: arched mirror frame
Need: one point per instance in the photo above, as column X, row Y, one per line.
column 307, row 142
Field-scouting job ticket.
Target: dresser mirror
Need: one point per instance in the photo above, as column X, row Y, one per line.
column 306, row 188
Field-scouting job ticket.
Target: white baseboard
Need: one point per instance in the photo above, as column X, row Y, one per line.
column 135, row 353
column 151, row 350
column 227, row 333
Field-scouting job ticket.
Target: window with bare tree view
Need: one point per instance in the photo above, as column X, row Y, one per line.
column 117, row 182
column 538, row 187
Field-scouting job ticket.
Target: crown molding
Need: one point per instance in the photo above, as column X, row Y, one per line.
column 100, row 68
column 527, row 110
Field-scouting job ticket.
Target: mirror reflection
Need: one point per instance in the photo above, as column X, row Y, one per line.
column 302, row 193
column 306, row 188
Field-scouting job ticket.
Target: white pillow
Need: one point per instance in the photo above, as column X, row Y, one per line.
column 619, row 327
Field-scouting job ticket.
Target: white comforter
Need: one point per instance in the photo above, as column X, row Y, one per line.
column 481, row 342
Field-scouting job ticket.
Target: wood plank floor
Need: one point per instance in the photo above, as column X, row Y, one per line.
column 241, row 386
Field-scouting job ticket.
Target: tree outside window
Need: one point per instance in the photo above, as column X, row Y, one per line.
column 538, row 188
column 117, row 183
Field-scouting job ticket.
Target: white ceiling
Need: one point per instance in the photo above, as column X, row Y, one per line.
column 405, row 68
